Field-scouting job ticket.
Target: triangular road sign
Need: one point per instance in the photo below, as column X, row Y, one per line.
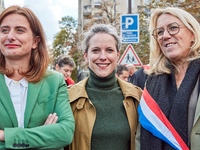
column 130, row 57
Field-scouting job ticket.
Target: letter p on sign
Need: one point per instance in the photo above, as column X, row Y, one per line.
column 129, row 21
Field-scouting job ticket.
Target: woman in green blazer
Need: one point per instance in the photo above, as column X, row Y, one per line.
column 34, row 104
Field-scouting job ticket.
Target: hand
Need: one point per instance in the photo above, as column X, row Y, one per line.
column 2, row 138
column 52, row 119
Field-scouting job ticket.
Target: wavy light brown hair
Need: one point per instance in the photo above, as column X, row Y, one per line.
column 158, row 61
column 39, row 56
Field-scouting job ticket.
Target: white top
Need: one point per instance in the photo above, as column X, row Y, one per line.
column 18, row 93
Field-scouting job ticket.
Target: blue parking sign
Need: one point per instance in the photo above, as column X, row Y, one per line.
column 130, row 28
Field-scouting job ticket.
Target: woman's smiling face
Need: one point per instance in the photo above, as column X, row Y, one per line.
column 175, row 47
column 102, row 54
column 16, row 37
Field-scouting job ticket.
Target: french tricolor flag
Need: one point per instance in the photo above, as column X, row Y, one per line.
column 153, row 119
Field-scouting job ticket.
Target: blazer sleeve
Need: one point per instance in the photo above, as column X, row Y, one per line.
column 52, row 136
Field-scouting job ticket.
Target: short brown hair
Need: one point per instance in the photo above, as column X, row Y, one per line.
column 39, row 57
column 99, row 28
column 63, row 60
column 120, row 68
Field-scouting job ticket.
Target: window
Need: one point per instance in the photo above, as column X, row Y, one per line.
column 97, row 3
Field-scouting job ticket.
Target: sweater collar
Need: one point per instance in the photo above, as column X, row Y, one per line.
column 78, row 90
column 100, row 83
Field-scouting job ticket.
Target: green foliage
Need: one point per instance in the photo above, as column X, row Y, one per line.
column 65, row 41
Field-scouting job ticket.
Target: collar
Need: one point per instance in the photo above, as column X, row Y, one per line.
column 128, row 89
column 102, row 83
column 23, row 81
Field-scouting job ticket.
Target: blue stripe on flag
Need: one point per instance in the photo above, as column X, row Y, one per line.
column 151, row 128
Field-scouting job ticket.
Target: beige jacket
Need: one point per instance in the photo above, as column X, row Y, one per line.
column 85, row 113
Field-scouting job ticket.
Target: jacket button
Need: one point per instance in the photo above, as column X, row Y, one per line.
column 14, row 145
column 22, row 145
column 27, row 145
column 18, row 145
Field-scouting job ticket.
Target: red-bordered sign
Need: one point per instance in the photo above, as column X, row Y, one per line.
column 130, row 57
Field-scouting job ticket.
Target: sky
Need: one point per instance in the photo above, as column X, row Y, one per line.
column 49, row 13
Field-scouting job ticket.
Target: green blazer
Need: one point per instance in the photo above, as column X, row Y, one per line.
column 47, row 96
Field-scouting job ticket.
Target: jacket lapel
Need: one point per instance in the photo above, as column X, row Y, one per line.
column 7, row 102
column 197, row 112
column 128, row 90
column 32, row 96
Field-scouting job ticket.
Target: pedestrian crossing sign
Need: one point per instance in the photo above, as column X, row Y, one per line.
column 130, row 57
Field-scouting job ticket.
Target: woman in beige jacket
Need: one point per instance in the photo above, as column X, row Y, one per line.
column 104, row 106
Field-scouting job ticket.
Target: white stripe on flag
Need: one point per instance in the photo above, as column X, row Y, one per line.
column 158, row 123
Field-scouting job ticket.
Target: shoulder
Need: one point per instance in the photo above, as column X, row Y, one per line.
column 129, row 89
column 53, row 75
column 139, row 72
column 52, row 78
column 78, row 85
column 78, row 90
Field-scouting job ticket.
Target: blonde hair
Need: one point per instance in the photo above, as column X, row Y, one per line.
column 158, row 61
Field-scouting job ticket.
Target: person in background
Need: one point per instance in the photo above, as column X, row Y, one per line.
column 34, row 104
column 65, row 65
column 103, row 105
column 122, row 72
column 171, row 102
column 132, row 70
column 139, row 77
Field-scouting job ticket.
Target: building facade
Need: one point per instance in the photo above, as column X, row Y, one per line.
column 88, row 8
column 2, row 6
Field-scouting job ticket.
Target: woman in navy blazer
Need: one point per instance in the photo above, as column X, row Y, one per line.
column 34, row 104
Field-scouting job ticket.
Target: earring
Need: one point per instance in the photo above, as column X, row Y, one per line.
column 192, row 41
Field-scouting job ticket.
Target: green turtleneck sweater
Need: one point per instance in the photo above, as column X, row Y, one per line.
column 111, row 130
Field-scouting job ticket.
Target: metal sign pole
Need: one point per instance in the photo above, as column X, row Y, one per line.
column 129, row 7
